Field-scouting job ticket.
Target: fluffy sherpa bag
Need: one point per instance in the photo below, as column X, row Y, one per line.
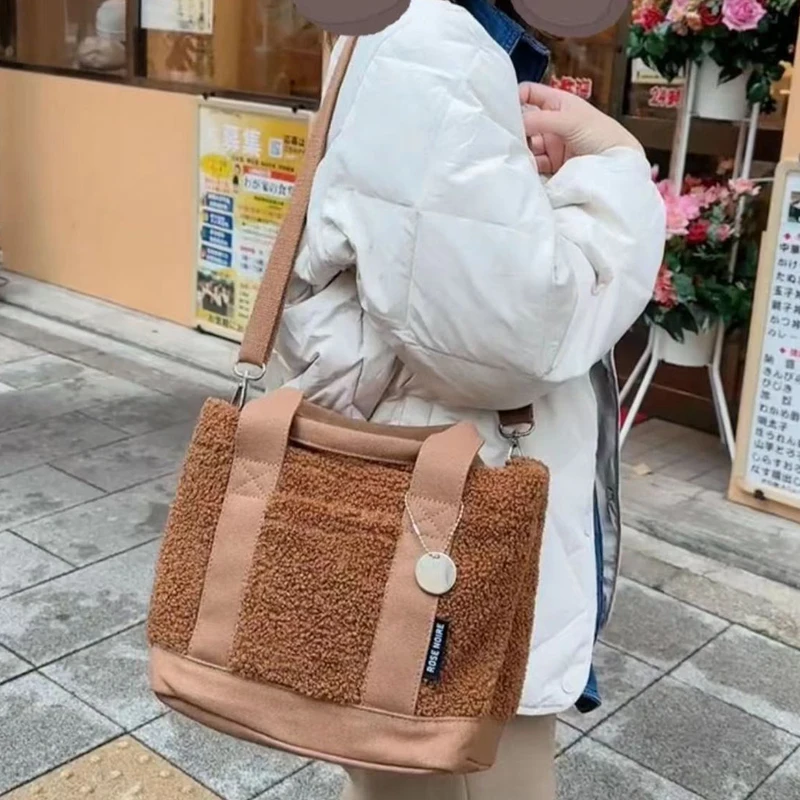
column 350, row 592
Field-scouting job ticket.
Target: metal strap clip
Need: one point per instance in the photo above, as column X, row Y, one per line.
column 514, row 434
column 247, row 374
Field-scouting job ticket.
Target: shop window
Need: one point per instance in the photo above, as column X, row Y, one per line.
column 255, row 46
column 69, row 34
column 262, row 48
column 592, row 68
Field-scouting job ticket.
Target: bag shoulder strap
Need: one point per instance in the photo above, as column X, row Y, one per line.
column 259, row 337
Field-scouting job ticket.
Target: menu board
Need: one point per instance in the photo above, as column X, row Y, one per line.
column 767, row 469
column 249, row 157
column 185, row 16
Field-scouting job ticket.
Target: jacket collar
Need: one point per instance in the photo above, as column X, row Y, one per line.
column 529, row 56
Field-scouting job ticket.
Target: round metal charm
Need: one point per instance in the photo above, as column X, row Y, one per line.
column 436, row 573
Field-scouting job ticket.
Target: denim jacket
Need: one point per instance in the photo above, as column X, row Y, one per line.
column 529, row 56
column 530, row 59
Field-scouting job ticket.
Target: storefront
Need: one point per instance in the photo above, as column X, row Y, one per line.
column 599, row 69
column 104, row 135
column 99, row 126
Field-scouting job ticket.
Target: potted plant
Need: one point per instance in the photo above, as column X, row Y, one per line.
column 695, row 292
column 740, row 45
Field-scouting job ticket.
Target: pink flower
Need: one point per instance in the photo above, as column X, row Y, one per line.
column 723, row 232
column 742, row 15
column 664, row 292
column 678, row 10
column 742, row 186
column 717, row 193
column 690, row 205
column 681, row 209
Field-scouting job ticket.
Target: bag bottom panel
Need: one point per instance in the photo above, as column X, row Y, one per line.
column 349, row 736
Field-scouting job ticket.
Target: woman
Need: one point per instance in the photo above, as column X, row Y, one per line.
column 474, row 245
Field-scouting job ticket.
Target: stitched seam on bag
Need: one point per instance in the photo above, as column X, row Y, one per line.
column 245, row 464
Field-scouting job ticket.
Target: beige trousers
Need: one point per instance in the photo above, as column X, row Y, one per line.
column 524, row 770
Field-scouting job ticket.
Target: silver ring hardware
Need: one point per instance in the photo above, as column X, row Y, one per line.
column 247, row 374
column 513, row 434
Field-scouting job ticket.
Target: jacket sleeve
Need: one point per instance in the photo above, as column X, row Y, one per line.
column 488, row 283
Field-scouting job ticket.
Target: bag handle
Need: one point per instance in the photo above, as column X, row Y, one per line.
column 262, row 328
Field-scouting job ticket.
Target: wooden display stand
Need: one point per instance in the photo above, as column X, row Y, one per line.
column 655, row 353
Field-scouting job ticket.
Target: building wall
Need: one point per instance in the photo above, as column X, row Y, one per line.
column 791, row 131
column 97, row 185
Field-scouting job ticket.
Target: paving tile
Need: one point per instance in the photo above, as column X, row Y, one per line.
column 590, row 771
column 234, row 769
column 753, row 601
column 633, row 451
column 34, row 493
column 566, row 736
column 104, row 527
column 784, row 783
column 11, row 665
column 314, row 782
column 777, row 614
column 23, row 448
column 77, row 609
column 37, row 338
column 144, row 413
column 659, row 456
column 111, row 676
column 23, row 564
column 708, row 746
column 704, row 522
column 716, row 480
column 657, row 629
column 620, row 677
column 91, row 388
column 646, row 570
column 120, row 367
column 12, row 350
column 120, row 770
column 43, row 726
column 155, row 378
column 39, row 371
column 132, row 461
column 4, row 388
column 691, row 467
column 656, row 431
column 751, row 672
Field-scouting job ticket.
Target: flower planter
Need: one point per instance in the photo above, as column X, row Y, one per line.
column 696, row 349
column 715, row 100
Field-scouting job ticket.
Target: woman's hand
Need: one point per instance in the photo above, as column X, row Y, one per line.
column 560, row 125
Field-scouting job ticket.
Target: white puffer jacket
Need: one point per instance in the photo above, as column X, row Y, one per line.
column 442, row 279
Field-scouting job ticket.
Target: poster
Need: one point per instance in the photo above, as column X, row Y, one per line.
column 185, row 16
column 642, row 74
column 248, row 164
column 773, row 454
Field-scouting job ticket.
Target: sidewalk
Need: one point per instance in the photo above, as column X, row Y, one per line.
column 700, row 668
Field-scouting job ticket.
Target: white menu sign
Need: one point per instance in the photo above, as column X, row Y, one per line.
column 773, row 448
column 186, row 16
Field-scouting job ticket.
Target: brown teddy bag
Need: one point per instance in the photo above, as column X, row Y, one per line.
column 350, row 592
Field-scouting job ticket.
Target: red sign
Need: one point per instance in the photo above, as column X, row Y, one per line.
column 579, row 86
column 665, row 96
